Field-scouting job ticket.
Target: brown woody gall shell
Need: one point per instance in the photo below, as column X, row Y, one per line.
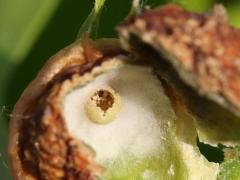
column 40, row 146
column 198, row 54
column 203, row 48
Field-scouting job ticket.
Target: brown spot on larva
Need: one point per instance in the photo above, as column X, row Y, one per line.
column 103, row 99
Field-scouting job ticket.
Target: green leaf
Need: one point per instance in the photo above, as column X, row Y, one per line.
column 21, row 22
column 196, row 5
column 233, row 12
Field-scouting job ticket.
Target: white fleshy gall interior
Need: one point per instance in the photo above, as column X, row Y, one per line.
column 136, row 129
column 140, row 142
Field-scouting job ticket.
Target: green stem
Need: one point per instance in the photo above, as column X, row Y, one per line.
column 91, row 24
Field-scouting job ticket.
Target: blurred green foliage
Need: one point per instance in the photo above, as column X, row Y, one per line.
column 20, row 24
column 32, row 31
column 233, row 9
